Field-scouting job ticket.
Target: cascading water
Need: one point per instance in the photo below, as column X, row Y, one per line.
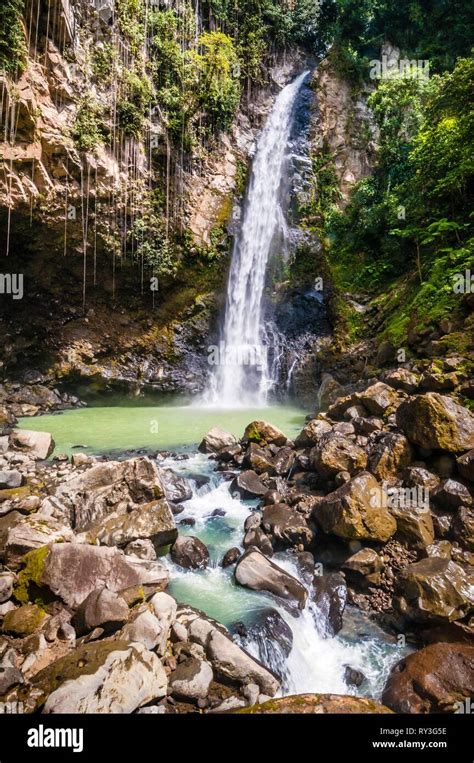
column 244, row 374
column 304, row 659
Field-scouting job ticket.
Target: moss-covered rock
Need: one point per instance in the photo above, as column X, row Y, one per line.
column 23, row 621
column 307, row 704
column 29, row 586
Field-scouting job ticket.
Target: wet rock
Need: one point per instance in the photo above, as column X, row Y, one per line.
column 271, row 633
column 73, row 571
column 442, row 522
column 191, row 679
column 312, row 433
column 432, row 680
column 364, row 564
column 256, row 538
column 260, row 459
column 231, row 557
column 101, row 677
column 441, row 548
column 37, row 445
column 463, row 527
column 283, row 461
column 176, row 487
column 190, row 552
column 434, row 421
column 101, row 608
column 415, row 525
column 356, row 511
column 286, row 526
column 335, row 453
column 215, row 440
column 353, row 677
column 308, row 704
column 450, row 494
column 10, row 478
column 330, row 597
column 465, row 465
column 264, row 433
column 153, row 521
column 389, row 453
column 377, row 398
column 271, row 497
column 24, row 620
column 144, row 549
column 434, row 590
column 247, row 484
column 31, row 533
column 417, row 476
column 255, row 571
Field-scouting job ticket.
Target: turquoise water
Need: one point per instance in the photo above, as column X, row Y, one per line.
column 125, row 427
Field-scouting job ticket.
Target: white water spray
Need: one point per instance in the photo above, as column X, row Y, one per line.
column 244, row 374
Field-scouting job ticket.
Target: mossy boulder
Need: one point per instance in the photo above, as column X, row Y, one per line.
column 435, row 421
column 308, row 704
column 29, row 586
column 24, row 620
column 264, row 433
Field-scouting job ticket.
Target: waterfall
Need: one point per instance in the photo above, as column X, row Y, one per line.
column 245, row 369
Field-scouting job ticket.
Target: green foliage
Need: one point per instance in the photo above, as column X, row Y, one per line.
column 130, row 17
column 412, row 216
column 104, row 58
column 132, row 107
column 151, row 244
column 219, row 90
column 89, row 130
column 13, row 50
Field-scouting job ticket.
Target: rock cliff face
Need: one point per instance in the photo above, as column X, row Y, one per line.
column 343, row 127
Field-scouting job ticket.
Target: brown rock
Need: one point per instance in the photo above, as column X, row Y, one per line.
column 335, row 453
column 433, row 680
column 434, row 590
column 434, row 421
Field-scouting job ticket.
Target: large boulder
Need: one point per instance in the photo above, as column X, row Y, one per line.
column 377, row 398
column 415, row 524
column 33, row 532
column 264, row 433
column 435, row 421
column 330, row 596
column 254, row 570
column 101, row 608
column 177, row 488
column 101, row 677
column 229, row 661
column 364, row 566
column 110, row 487
column 10, row 478
column 191, row 679
column 154, row 521
column 433, row 680
column 335, row 453
column 308, row 704
column 312, row 433
column 434, row 590
column 328, row 392
column 37, row 445
column 24, row 620
column 248, row 484
column 215, row 440
column 287, row 526
column 402, row 378
column 356, row 511
column 190, row 552
column 72, row 571
column 450, row 494
column 389, row 453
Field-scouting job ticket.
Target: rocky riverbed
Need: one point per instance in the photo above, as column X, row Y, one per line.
column 373, row 500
